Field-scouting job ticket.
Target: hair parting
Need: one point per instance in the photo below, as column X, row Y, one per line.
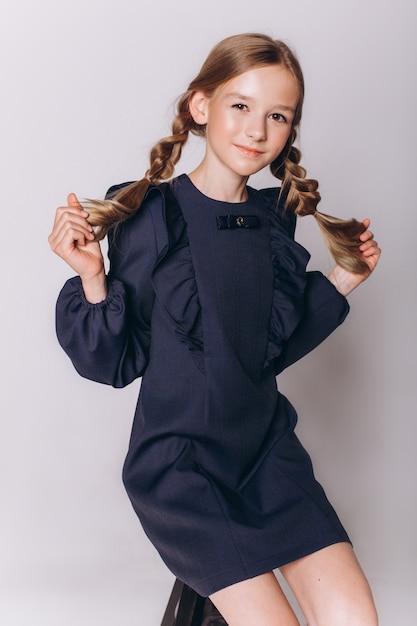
column 229, row 58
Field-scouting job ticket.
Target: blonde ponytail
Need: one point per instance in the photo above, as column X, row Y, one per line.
column 302, row 197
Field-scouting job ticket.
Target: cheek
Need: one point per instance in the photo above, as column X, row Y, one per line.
column 281, row 137
column 221, row 124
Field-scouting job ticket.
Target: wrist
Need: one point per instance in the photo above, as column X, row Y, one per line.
column 344, row 281
column 95, row 287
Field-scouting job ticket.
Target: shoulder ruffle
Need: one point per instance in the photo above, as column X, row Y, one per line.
column 175, row 284
column 289, row 261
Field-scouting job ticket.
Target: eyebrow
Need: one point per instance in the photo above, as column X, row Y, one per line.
column 241, row 96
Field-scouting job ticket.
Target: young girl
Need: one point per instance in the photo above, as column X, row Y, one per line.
column 208, row 299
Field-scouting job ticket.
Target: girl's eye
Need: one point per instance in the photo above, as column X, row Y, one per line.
column 279, row 117
column 240, row 106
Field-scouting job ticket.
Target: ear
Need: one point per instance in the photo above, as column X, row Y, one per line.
column 198, row 106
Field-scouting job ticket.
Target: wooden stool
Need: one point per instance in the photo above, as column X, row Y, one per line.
column 187, row 608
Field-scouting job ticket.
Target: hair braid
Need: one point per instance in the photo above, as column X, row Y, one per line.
column 301, row 196
column 229, row 58
column 103, row 214
column 300, row 193
column 167, row 152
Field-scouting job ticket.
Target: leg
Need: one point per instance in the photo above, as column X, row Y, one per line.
column 258, row 601
column 331, row 588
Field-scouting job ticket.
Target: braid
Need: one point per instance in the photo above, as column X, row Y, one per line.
column 301, row 197
column 300, row 192
column 167, row 152
column 103, row 214
column 230, row 58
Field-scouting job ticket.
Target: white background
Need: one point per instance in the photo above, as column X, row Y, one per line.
column 87, row 87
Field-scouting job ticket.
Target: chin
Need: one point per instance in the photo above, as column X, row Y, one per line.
column 251, row 171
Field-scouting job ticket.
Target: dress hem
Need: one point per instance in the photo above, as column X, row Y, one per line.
column 208, row 586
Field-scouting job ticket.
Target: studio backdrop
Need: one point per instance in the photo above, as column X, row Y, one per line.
column 88, row 86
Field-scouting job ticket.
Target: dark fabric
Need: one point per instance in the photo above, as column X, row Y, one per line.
column 215, row 472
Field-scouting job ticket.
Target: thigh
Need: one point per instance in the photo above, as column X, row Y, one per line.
column 257, row 601
column 331, row 588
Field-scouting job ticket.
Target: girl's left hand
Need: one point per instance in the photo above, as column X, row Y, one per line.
column 346, row 281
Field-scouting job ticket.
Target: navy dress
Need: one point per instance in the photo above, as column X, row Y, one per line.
column 208, row 316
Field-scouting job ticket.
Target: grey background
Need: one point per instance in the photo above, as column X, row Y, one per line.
column 87, row 87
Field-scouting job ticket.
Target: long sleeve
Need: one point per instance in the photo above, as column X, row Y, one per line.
column 108, row 342
column 324, row 310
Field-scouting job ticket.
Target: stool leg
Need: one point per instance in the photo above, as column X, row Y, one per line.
column 190, row 608
column 185, row 607
column 169, row 618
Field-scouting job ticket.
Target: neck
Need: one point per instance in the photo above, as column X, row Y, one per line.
column 231, row 188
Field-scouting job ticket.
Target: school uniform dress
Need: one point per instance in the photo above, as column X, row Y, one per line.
column 208, row 301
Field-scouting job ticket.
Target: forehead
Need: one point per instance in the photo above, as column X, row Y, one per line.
column 271, row 83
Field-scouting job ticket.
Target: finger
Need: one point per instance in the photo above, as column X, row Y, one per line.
column 66, row 217
column 65, row 212
column 75, row 225
column 370, row 251
column 73, row 201
column 366, row 235
column 65, row 232
column 69, row 243
column 369, row 242
column 372, row 254
column 66, row 243
column 69, row 230
column 373, row 251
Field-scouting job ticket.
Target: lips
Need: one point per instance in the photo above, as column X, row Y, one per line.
column 250, row 152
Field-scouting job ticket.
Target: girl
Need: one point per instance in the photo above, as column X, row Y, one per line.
column 208, row 299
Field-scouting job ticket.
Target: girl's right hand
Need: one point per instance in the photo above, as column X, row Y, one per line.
column 72, row 238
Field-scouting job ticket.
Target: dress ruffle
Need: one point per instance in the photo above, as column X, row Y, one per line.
column 175, row 286
column 289, row 261
column 175, row 283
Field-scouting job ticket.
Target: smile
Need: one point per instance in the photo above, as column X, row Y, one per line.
column 250, row 152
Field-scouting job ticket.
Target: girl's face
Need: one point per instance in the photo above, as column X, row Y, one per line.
column 248, row 120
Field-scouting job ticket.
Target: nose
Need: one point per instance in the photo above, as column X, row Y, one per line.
column 256, row 129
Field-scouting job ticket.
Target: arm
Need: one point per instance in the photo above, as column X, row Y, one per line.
column 324, row 310
column 325, row 304
column 103, row 323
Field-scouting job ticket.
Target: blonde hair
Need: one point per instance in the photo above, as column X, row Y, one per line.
column 229, row 58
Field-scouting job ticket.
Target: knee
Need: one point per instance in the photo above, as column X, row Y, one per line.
column 364, row 614
column 347, row 616
column 367, row 618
